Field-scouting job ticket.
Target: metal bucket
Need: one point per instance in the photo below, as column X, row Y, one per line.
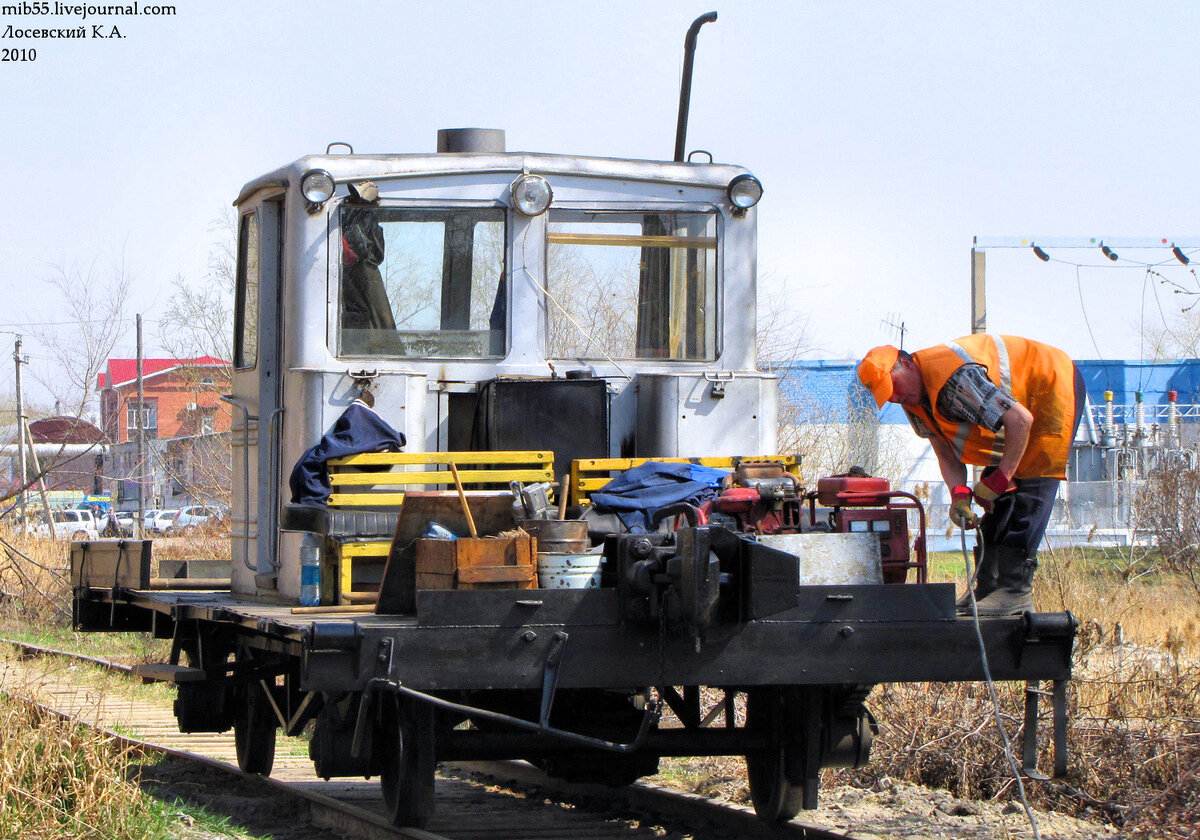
column 558, row 536
column 569, row 571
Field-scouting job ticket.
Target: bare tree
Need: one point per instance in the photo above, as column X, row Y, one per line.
column 199, row 317
column 91, row 304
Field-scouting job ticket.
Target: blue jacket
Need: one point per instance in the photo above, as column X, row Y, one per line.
column 358, row 430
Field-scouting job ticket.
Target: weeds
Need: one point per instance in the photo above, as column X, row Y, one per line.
column 61, row 780
column 1134, row 741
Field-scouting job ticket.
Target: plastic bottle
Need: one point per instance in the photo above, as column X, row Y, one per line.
column 437, row 531
column 310, row 571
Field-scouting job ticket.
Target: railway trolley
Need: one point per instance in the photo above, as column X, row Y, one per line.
column 534, row 327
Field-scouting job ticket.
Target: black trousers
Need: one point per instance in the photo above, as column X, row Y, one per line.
column 1019, row 518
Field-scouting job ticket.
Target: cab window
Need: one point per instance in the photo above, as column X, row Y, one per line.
column 245, row 336
column 632, row 285
column 421, row 283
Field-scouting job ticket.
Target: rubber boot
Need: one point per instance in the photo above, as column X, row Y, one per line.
column 985, row 579
column 1014, row 584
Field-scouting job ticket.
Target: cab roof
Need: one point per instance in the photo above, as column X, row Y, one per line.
column 344, row 168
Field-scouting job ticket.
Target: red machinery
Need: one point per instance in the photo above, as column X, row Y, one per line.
column 762, row 498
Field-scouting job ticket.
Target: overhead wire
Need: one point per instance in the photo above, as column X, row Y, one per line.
column 1088, row 324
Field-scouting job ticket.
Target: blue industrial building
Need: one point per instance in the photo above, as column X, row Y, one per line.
column 830, row 389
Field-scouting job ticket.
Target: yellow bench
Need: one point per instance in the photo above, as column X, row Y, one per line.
column 359, row 560
column 590, row 474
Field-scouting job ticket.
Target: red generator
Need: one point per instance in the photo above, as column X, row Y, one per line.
column 864, row 504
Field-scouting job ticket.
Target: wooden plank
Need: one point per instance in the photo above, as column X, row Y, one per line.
column 428, row 580
column 402, row 479
column 393, row 500
column 496, row 574
column 407, row 458
column 438, row 557
column 374, row 548
column 166, row 672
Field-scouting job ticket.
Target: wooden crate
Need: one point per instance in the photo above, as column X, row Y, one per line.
column 477, row 563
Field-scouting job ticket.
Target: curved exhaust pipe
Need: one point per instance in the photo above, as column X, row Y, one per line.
column 685, row 86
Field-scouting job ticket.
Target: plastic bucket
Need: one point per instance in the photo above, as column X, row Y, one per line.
column 569, row 571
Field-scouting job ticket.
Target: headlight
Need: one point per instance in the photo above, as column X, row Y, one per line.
column 316, row 186
column 745, row 191
column 531, row 194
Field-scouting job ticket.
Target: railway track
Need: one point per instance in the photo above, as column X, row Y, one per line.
column 476, row 801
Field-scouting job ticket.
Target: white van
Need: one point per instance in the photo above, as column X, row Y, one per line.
column 68, row 524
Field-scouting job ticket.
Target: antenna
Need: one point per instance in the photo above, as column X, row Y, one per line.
column 891, row 321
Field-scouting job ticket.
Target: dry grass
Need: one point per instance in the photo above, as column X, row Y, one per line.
column 1135, row 710
column 59, row 780
column 35, row 586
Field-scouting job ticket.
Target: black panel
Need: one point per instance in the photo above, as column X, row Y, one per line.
column 568, row 416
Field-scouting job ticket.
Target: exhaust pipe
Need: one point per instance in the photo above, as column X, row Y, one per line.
column 470, row 140
column 685, row 86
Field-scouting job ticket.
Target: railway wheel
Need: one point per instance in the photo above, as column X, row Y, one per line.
column 777, row 793
column 254, row 725
column 406, row 761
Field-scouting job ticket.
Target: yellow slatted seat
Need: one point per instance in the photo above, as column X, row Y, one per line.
column 590, row 474
column 424, row 470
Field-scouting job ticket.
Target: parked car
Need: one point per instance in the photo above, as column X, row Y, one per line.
column 68, row 524
column 148, row 519
column 196, row 516
column 161, row 521
column 118, row 524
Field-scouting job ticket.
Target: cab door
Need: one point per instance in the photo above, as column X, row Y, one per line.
column 257, row 396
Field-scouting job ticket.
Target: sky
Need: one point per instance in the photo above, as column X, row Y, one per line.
column 887, row 137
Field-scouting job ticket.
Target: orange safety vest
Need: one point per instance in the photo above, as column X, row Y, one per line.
column 1040, row 377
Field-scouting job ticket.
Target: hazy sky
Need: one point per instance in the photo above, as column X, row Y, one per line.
column 887, row 136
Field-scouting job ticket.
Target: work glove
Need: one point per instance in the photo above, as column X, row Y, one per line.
column 991, row 488
column 960, row 508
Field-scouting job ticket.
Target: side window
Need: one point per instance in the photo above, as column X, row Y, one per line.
column 245, row 318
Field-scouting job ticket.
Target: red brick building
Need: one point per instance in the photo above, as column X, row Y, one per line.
column 186, row 426
column 182, row 397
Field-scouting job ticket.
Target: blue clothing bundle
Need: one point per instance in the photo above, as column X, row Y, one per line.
column 358, row 430
column 635, row 494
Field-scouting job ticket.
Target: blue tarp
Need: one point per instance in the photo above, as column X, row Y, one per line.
column 358, row 430
column 636, row 493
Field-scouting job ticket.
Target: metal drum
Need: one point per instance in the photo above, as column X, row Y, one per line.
column 569, row 571
column 558, row 536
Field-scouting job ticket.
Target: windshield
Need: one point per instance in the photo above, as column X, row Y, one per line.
column 422, row 282
column 635, row 285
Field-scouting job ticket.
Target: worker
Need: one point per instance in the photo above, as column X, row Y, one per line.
column 1010, row 405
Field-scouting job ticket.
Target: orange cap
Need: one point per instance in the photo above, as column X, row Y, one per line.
column 875, row 371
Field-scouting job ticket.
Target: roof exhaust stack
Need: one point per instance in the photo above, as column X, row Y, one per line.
column 470, row 140
column 685, row 85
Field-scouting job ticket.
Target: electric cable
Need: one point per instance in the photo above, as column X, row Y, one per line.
column 1088, row 324
column 1162, row 315
column 987, row 675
